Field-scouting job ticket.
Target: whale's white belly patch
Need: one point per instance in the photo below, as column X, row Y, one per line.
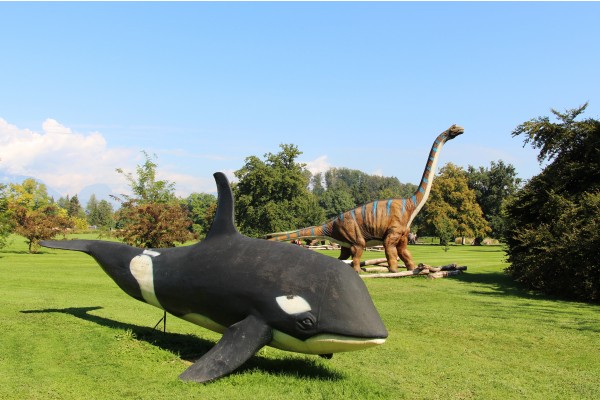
column 141, row 269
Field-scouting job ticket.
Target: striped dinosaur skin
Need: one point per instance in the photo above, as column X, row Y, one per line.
column 384, row 222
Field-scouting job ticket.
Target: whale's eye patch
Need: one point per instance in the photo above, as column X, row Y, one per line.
column 293, row 304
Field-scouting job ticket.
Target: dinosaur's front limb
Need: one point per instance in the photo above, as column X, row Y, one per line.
column 404, row 254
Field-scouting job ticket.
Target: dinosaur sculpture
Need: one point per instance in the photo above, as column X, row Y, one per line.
column 384, row 222
column 255, row 292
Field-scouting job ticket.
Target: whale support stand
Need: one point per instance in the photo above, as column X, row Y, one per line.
column 164, row 321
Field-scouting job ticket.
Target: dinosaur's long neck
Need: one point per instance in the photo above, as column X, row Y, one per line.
column 422, row 193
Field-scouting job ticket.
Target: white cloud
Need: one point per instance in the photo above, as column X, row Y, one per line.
column 65, row 160
column 68, row 161
column 318, row 165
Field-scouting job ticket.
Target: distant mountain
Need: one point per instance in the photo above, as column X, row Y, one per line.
column 100, row 190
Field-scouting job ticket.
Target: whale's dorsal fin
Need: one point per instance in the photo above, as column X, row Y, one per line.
column 224, row 222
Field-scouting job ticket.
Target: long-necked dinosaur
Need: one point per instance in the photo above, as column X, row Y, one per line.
column 384, row 222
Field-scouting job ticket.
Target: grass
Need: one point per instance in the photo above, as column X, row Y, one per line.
column 68, row 332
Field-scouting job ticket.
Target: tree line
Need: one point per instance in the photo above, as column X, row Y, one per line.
column 549, row 223
column 276, row 193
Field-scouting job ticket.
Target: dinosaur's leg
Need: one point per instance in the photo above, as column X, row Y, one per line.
column 390, row 244
column 404, row 254
column 357, row 252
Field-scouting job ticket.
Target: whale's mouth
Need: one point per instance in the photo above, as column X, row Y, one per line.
column 323, row 343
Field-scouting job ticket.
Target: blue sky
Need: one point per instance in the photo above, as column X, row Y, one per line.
column 84, row 87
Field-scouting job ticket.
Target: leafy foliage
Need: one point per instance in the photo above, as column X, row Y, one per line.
column 153, row 225
column 493, row 186
column 145, row 187
column 202, row 208
column 272, row 195
column 336, row 201
column 100, row 213
column 553, row 232
column 40, row 224
column 6, row 223
column 365, row 188
column 452, row 203
column 153, row 216
column 34, row 215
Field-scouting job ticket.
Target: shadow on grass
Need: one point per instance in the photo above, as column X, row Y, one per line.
column 499, row 284
column 16, row 252
column 191, row 348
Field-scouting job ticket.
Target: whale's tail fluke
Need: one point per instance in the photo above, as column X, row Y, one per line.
column 77, row 245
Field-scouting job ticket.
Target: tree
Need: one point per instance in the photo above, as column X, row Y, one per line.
column 273, row 195
column 99, row 213
column 74, row 209
column 105, row 215
column 553, row 227
column 153, row 225
column 30, row 194
column 493, row 187
column 6, row 223
column 153, row 216
column 336, row 201
column 202, row 208
column 452, row 204
column 34, row 215
column 145, row 187
column 365, row 188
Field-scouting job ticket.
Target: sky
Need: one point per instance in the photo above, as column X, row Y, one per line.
column 86, row 87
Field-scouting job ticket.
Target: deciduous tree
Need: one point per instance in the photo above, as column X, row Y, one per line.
column 452, row 203
column 493, row 186
column 152, row 216
column 6, row 222
column 272, row 195
column 35, row 216
column 202, row 208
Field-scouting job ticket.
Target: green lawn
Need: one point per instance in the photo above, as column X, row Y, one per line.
column 68, row 332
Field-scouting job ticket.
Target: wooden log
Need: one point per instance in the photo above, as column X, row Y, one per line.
column 449, row 267
column 374, row 261
column 415, row 272
column 375, row 269
column 443, row 274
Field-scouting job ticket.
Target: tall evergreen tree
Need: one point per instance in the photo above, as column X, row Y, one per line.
column 553, row 232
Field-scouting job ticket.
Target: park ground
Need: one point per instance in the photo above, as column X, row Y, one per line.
column 68, row 332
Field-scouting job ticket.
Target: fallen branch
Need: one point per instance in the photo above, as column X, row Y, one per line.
column 376, row 269
column 443, row 274
column 415, row 272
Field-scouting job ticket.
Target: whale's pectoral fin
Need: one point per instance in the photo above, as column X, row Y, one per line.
column 239, row 342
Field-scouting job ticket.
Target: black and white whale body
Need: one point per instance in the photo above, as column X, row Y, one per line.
column 255, row 292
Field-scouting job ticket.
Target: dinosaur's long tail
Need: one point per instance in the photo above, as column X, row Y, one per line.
column 310, row 232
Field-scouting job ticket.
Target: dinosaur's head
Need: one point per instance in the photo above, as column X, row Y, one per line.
column 454, row 131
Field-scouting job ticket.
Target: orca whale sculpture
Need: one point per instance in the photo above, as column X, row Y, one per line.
column 254, row 291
